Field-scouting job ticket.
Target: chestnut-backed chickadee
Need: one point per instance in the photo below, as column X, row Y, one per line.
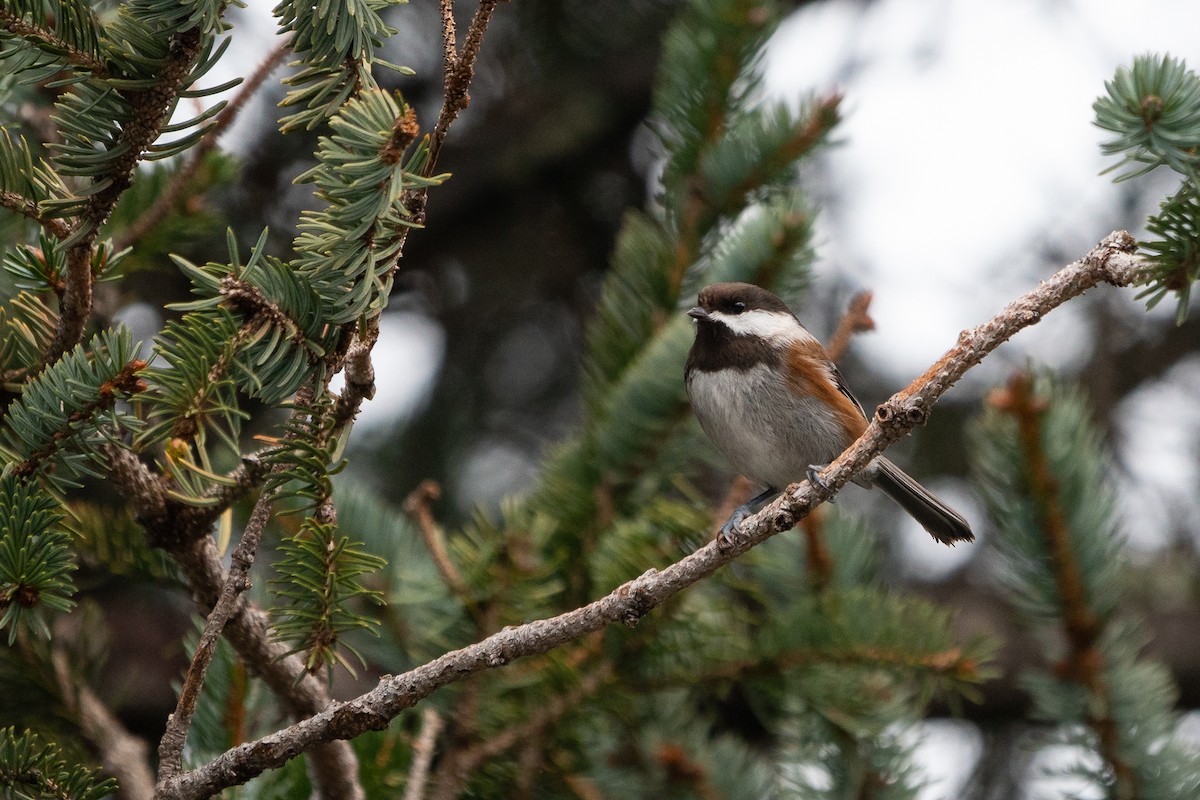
column 774, row 404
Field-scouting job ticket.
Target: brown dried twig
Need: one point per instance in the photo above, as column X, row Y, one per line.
column 855, row 320
column 458, row 70
column 333, row 765
column 170, row 748
column 149, row 114
column 1111, row 261
column 418, row 505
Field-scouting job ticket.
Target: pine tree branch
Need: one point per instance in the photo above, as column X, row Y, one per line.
column 857, row 319
column 818, row 561
column 701, row 211
column 178, row 186
column 125, row 382
column 545, row 715
column 334, row 766
column 24, row 206
column 1085, row 663
column 456, row 765
column 17, row 26
column 237, row 581
column 816, row 552
column 1111, row 261
column 952, row 663
column 123, row 756
column 360, row 377
column 149, row 114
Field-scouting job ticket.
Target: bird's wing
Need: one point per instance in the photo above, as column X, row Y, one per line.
column 844, row 389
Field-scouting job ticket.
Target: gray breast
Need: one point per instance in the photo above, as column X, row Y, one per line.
column 765, row 431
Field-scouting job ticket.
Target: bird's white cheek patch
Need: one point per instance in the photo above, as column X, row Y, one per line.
column 770, row 325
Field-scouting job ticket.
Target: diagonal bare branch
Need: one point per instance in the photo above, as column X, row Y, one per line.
column 1111, row 261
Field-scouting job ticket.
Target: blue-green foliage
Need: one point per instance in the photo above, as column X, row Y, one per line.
column 1153, row 110
column 1072, row 446
column 55, row 429
column 347, row 249
column 26, row 175
column 1132, row 697
column 319, row 587
column 337, row 40
column 31, row 768
column 35, row 557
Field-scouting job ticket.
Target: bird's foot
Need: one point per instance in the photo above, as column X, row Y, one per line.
column 729, row 533
column 814, row 477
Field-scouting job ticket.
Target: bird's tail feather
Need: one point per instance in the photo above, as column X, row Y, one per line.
column 943, row 523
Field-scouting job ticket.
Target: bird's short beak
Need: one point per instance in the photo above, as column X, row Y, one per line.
column 697, row 313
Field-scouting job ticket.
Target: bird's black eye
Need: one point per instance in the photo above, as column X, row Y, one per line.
column 737, row 307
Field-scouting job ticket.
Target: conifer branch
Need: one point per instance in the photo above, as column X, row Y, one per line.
column 360, row 376
column 124, row 383
column 14, row 24
column 150, row 109
column 237, row 581
column 544, row 716
column 180, row 181
column 818, row 561
column 1084, row 664
column 857, row 319
column 248, row 630
column 26, row 207
column 1112, row 261
column 951, row 663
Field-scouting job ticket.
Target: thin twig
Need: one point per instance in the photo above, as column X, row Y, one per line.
column 449, row 43
column 360, row 377
column 170, row 749
column 169, row 525
column 855, row 320
column 168, row 199
column 23, row 205
column 1111, row 261
column 418, row 506
column 545, row 715
column 423, row 750
column 818, row 561
column 816, row 552
column 950, row 663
